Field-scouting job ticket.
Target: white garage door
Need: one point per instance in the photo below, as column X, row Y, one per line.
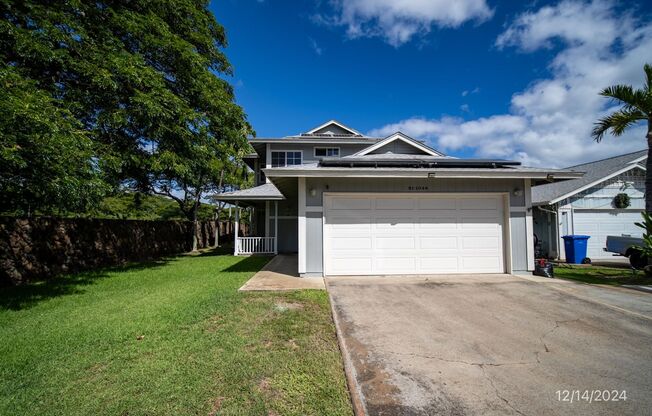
column 600, row 223
column 413, row 234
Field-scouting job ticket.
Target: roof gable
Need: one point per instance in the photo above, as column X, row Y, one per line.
column 332, row 128
column 408, row 146
column 595, row 173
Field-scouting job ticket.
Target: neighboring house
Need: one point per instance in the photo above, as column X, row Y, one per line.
column 350, row 204
column 586, row 205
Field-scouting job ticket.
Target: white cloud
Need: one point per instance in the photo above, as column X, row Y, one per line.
column 550, row 122
column 315, row 47
column 473, row 91
column 398, row 21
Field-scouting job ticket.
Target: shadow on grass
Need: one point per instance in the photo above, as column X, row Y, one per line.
column 217, row 251
column 26, row 296
column 248, row 264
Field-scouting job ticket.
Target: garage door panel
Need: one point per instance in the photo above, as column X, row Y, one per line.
column 351, row 242
column 443, row 223
column 480, row 264
column 394, row 242
column 478, row 204
column 394, row 204
column 438, row 243
column 481, row 243
column 350, row 203
column 351, row 265
column 395, row 264
column 598, row 224
column 394, row 222
column 415, row 234
column 436, row 204
column 448, row 264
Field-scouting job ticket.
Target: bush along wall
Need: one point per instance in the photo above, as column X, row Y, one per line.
column 39, row 248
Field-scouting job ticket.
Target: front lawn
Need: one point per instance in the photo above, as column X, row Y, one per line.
column 173, row 337
column 612, row 276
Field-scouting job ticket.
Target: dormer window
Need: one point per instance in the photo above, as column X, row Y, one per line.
column 327, row 151
column 286, row 158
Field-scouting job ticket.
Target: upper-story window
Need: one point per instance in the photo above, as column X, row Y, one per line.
column 286, row 158
column 327, row 151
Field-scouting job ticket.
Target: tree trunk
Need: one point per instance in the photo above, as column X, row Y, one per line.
column 648, row 172
column 195, row 225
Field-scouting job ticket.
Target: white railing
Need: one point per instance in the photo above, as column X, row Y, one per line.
column 255, row 245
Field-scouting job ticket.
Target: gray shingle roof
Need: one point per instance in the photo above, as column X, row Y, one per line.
column 258, row 193
column 594, row 171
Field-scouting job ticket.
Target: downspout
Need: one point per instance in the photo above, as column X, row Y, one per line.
column 554, row 213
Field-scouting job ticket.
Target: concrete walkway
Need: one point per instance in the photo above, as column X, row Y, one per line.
column 281, row 274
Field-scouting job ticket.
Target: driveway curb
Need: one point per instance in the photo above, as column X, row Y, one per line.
column 349, row 369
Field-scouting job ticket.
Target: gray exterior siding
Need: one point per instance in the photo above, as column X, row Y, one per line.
column 314, row 239
column 601, row 196
column 308, row 150
column 321, row 185
column 398, row 147
column 519, row 241
column 314, row 255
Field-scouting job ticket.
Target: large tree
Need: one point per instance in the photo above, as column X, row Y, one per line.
column 46, row 159
column 636, row 107
column 141, row 79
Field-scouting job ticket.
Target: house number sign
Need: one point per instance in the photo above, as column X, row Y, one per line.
column 417, row 188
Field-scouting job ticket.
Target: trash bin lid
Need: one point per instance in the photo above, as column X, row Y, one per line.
column 576, row 237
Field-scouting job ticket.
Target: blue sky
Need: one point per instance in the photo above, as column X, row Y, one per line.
column 474, row 78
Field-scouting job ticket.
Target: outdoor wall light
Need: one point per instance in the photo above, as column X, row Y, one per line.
column 518, row 192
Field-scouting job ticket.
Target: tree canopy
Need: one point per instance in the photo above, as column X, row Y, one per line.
column 115, row 93
column 635, row 107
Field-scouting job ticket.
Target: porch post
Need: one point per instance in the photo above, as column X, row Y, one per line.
column 237, row 226
column 275, row 227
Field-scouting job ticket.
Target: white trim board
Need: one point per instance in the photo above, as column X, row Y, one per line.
column 302, row 226
column 402, row 137
column 412, row 173
column 335, row 122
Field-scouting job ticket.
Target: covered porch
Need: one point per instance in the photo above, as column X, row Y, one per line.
column 264, row 202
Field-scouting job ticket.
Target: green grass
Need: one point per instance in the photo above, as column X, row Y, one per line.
column 601, row 275
column 172, row 337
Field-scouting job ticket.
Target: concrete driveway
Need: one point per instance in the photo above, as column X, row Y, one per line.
column 493, row 344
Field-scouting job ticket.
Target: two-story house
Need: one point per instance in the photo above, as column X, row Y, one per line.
column 350, row 204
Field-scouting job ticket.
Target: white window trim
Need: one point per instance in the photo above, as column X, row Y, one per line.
column 314, row 152
column 285, row 151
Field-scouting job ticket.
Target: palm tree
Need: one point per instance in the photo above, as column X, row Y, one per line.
column 636, row 107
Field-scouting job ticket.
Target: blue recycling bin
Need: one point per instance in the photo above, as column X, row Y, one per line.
column 575, row 246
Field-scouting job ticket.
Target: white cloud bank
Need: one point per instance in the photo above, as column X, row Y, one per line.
column 398, row 21
column 550, row 122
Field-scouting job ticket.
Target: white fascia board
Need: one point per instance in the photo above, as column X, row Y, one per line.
column 402, row 137
column 421, row 173
column 325, row 141
column 594, row 183
column 638, row 159
column 337, row 123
